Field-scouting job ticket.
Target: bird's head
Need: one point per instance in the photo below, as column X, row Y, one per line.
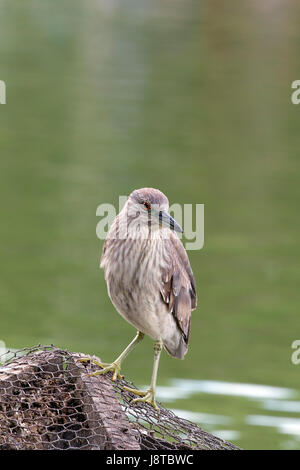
column 149, row 207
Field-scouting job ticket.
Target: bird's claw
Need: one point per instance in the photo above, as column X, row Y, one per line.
column 148, row 398
column 145, row 397
column 114, row 367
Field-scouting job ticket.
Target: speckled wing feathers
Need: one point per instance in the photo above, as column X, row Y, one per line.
column 178, row 286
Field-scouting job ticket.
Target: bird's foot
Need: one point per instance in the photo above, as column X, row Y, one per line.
column 147, row 397
column 114, row 367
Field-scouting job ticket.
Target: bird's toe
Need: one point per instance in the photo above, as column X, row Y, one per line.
column 148, row 398
column 145, row 397
column 135, row 391
column 105, row 367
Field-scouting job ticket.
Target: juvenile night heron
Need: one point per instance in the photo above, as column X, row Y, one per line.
column 149, row 280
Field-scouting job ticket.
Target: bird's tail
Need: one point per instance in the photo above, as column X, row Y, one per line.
column 176, row 350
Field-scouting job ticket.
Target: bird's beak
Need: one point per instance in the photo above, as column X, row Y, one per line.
column 168, row 221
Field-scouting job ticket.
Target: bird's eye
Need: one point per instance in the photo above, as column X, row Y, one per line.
column 147, row 205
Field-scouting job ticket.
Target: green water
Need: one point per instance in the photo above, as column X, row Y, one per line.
column 190, row 97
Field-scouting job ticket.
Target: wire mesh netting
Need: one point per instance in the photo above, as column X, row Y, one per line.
column 48, row 401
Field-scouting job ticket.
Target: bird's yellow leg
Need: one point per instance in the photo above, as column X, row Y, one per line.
column 115, row 366
column 149, row 395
